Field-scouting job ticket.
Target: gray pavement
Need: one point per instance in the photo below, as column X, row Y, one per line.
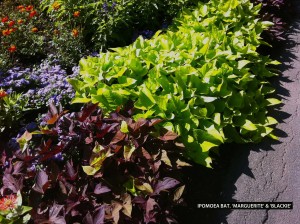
column 270, row 171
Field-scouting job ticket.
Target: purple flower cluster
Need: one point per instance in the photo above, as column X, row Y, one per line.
column 40, row 84
column 16, row 79
column 146, row 34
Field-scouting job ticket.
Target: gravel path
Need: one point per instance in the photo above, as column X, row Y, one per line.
column 270, row 171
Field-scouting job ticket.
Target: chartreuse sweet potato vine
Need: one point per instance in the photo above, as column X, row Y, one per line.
column 204, row 77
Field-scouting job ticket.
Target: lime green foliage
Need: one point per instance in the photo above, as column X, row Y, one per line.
column 12, row 107
column 204, row 77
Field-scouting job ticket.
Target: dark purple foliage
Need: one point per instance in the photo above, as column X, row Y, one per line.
column 86, row 169
column 278, row 12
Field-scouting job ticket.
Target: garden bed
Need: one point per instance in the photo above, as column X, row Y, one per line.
column 140, row 100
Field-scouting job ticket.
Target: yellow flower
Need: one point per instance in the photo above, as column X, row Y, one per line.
column 56, row 5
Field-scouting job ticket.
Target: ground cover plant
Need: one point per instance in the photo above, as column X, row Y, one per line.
column 87, row 168
column 203, row 77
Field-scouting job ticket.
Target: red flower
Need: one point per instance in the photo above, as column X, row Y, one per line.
column 5, row 32
column 2, row 94
column 76, row 14
column 12, row 48
column 32, row 13
column 29, row 8
column 5, row 19
column 11, row 23
column 8, row 202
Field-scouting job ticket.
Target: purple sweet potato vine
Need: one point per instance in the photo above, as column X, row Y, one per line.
column 89, row 169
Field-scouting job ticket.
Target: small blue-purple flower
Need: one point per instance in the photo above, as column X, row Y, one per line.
column 13, row 144
column 58, row 157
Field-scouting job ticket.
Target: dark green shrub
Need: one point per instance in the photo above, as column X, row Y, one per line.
column 103, row 23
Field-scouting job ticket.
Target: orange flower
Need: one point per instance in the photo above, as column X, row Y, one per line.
column 75, row 32
column 29, row 8
column 5, row 32
column 20, row 21
column 5, row 19
column 20, row 7
column 12, row 30
column 11, row 23
column 56, row 32
column 22, row 10
column 8, row 202
column 12, row 48
column 2, row 94
column 32, row 13
column 34, row 30
column 56, row 5
column 76, row 14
